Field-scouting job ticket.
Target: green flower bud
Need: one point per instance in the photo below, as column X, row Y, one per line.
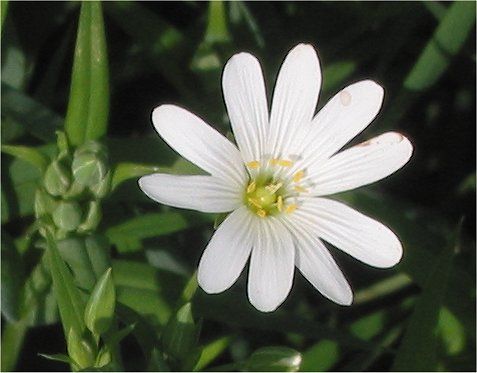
column 75, row 190
column 88, row 168
column 274, row 359
column 56, row 179
column 81, row 350
column 180, row 334
column 103, row 358
column 99, row 311
column 102, row 188
column 67, row 216
column 93, row 217
column 44, row 203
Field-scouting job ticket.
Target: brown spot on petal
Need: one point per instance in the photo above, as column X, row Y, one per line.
column 345, row 98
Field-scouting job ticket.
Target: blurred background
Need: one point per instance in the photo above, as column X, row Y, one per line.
column 422, row 53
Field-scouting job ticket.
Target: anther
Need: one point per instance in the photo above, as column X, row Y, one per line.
column 300, row 189
column 290, row 208
column 253, row 164
column 254, row 202
column 281, row 162
column 261, row 213
column 280, row 203
column 298, row 176
column 273, row 188
column 251, row 187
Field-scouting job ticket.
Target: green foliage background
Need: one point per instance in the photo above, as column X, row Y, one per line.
column 419, row 315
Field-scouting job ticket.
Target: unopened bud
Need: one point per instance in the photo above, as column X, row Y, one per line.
column 93, row 217
column 88, row 168
column 67, row 216
column 44, row 203
column 57, row 179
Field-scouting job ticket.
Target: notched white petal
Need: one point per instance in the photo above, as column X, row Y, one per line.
column 362, row 164
column 352, row 232
column 317, row 265
column 201, row 144
column 294, row 99
column 196, row 192
column 246, row 101
column 271, row 266
column 227, row 253
column 347, row 114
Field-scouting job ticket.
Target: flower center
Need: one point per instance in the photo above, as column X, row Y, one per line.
column 264, row 196
column 267, row 192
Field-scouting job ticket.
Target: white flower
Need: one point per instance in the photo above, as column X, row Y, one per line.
column 274, row 182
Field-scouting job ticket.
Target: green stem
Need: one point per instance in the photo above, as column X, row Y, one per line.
column 12, row 342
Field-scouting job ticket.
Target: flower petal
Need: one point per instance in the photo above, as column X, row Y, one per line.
column 227, row 252
column 347, row 114
column 271, row 266
column 197, row 192
column 318, row 266
column 362, row 164
column 201, row 144
column 294, row 100
column 246, row 101
column 350, row 231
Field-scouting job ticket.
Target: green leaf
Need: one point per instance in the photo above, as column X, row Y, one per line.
column 126, row 171
column 452, row 332
column 274, row 359
column 420, row 338
column 180, row 334
column 12, row 279
column 27, row 154
column 217, row 31
column 320, row 357
column 58, row 357
column 210, row 352
column 448, row 39
column 87, row 257
column 70, row 301
column 118, row 336
column 3, row 10
column 127, row 236
column 99, row 311
column 137, row 287
column 368, row 326
column 81, row 349
column 38, row 120
column 88, row 107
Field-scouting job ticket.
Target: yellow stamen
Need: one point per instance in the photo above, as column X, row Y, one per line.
column 261, row 213
column 300, row 189
column 280, row 203
column 254, row 202
column 298, row 176
column 251, row 187
column 281, row 162
column 253, row 164
column 290, row 208
column 272, row 188
column 285, row 163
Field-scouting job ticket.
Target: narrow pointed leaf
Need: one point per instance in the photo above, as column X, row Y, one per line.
column 27, row 154
column 126, row 171
column 449, row 37
column 70, row 302
column 99, row 310
column 88, row 107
